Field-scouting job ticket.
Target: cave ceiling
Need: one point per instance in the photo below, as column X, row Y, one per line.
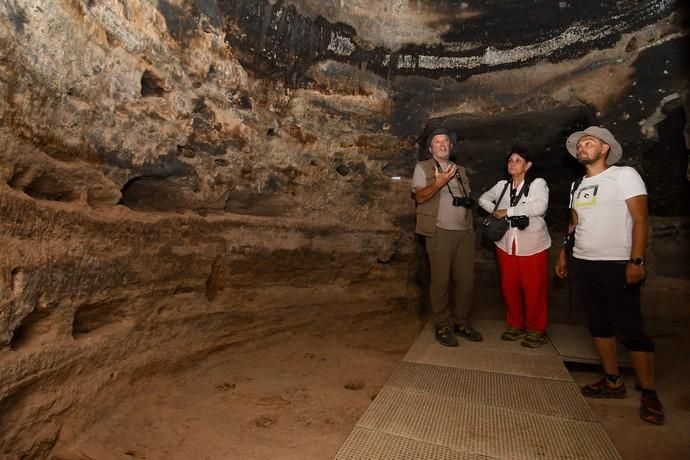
column 163, row 101
column 429, row 38
column 541, row 69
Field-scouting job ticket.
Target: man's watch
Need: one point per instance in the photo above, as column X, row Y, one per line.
column 636, row 261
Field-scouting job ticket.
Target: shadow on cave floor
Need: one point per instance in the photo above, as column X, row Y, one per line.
column 298, row 394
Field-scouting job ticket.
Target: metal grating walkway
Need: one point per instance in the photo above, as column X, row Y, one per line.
column 485, row 400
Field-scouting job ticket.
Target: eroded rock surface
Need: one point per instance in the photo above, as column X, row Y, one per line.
column 177, row 176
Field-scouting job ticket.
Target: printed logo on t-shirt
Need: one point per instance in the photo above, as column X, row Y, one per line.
column 586, row 196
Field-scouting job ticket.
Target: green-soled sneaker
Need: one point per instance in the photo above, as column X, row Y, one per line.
column 512, row 334
column 534, row 339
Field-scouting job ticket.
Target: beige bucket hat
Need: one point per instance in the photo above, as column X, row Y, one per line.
column 615, row 151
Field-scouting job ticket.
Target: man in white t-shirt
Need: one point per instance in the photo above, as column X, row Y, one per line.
column 609, row 222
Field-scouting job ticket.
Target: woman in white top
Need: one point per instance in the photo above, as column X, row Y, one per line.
column 523, row 251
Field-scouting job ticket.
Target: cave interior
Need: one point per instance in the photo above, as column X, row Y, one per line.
column 181, row 177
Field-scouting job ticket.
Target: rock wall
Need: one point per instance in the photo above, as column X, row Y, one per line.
column 159, row 203
column 177, row 176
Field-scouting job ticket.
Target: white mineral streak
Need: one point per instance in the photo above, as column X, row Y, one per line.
column 575, row 34
column 341, row 44
column 649, row 126
column 664, row 39
column 495, row 57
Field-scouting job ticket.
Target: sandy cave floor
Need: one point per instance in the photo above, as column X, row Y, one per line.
column 298, row 395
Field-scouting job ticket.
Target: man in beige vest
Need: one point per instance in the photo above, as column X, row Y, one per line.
column 444, row 216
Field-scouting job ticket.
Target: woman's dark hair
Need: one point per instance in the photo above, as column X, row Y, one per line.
column 524, row 154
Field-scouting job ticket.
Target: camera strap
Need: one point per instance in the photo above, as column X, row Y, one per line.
column 462, row 186
column 457, row 178
column 516, row 199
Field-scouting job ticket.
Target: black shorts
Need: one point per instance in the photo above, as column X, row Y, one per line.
column 613, row 308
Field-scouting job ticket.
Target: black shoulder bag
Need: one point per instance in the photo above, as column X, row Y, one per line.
column 492, row 227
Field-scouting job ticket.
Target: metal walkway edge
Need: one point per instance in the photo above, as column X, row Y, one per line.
column 482, row 400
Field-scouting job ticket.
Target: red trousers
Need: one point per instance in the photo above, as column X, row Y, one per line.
column 524, row 282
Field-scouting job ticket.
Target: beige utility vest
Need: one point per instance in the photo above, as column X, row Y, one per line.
column 427, row 212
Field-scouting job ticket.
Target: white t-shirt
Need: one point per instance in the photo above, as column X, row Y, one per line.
column 533, row 239
column 449, row 217
column 604, row 224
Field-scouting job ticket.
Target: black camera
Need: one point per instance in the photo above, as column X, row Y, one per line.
column 519, row 222
column 463, row 201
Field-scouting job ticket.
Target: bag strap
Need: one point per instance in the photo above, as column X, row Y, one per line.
column 501, row 197
column 573, row 188
column 569, row 239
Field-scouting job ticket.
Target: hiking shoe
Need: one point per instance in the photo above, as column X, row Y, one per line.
column 651, row 410
column 534, row 339
column 512, row 334
column 444, row 336
column 468, row 333
column 603, row 389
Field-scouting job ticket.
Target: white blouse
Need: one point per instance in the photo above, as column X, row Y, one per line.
column 535, row 238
